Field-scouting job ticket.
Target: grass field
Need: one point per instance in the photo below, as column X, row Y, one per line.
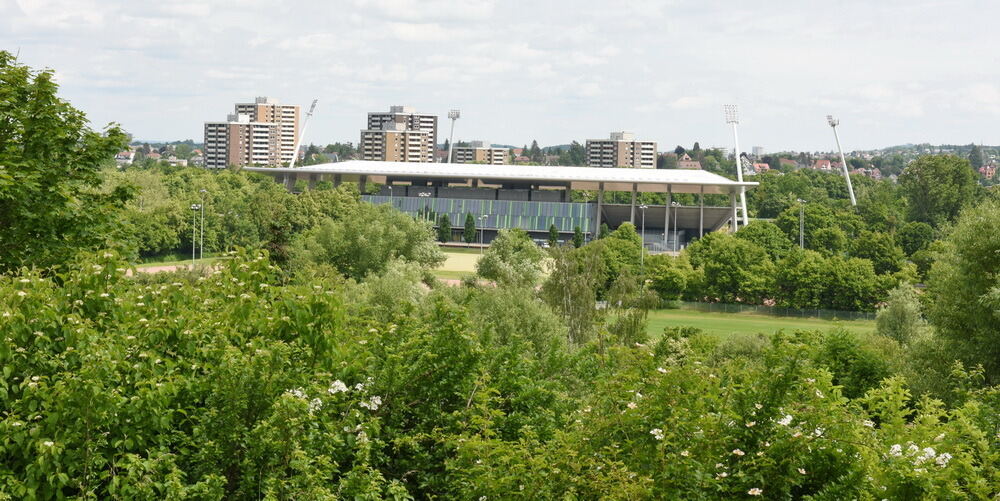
column 729, row 324
column 459, row 263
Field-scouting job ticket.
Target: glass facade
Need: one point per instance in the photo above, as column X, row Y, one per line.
column 529, row 216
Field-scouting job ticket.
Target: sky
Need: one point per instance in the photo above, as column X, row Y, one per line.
column 893, row 72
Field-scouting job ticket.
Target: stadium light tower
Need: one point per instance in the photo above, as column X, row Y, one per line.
column 733, row 118
column 843, row 163
column 453, row 115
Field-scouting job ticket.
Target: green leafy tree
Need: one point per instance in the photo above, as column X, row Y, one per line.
column 571, row 290
column 553, row 235
column 669, row 276
column 964, row 287
column 768, row 236
column 901, row 317
column 880, row 249
column 469, row 235
column 734, row 270
column 512, row 260
column 914, row 236
column 444, row 228
column 603, row 231
column 577, row 237
column 50, row 161
column 937, row 187
column 975, row 156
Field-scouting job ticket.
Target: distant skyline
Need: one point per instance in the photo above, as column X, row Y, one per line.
column 894, row 72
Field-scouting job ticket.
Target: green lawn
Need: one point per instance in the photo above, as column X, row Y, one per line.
column 208, row 260
column 728, row 324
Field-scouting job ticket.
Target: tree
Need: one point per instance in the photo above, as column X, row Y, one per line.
column 469, row 235
column 937, row 187
column 880, row 249
column 603, row 231
column 975, row 156
column 679, row 150
column 577, row 237
column 571, row 289
column 965, row 290
column 768, row 236
column 535, row 153
column 914, row 236
column 668, row 275
column 734, row 270
column 512, row 260
column 444, row 228
column 50, row 208
column 553, row 235
column 900, row 318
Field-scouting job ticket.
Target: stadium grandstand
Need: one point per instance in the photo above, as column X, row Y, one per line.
column 687, row 204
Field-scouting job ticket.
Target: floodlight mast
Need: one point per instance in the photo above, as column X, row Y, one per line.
column 843, row 163
column 298, row 140
column 733, row 118
column 453, row 115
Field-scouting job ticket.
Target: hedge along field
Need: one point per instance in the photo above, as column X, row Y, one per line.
column 234, row 385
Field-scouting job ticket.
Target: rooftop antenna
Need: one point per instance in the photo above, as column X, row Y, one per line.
column 453, row 115
column 733, row 118
column 298, row 141
column 843, row 163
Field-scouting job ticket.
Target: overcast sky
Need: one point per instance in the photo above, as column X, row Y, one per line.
column 893, row 71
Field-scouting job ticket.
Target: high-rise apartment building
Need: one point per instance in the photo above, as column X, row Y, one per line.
column 240, row 141
column 480, row 152
column 621, row 150
column 258, row 133
column 401, row 135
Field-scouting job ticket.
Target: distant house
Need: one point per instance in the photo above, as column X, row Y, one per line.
column 176, row 162
column 759, row 167
column 822, row 164
column 988, row 171
column 788, row 162
column 518, row 151
column 441, row 156
column 522, row 159
column 197, row 161
column 685, row 162
column 125, row 157
column 153, row 155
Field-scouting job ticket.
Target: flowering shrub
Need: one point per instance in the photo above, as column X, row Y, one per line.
column 235, row 385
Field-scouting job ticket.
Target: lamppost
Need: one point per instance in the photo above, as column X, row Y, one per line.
column 843, row 163
column 482, row 230
column 390, row 195
column 424, row 194
column 802, row 223
column 675, row 205
column 453, row 115
column 733, row 118
column 642, row 248
column 201, row 253
column 194, row 230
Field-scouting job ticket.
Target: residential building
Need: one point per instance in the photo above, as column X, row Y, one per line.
column 686, row 162
column 399, row 135
column 125, row 157
column 259, row 133
column 621, row 150
column 480, row 152
column 240, row 141
column 758, row 151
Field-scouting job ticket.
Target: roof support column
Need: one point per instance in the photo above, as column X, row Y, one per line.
column 666, row 225
column 600, row 202
column 336, row 180
column 290, row 181
column 733, row 222
column 361, row 184
column 312, row 181
column 701, row 212
column 631, row 218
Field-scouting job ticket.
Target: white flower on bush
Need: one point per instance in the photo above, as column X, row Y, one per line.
column 721, row 475
column 315, row 405
column 751, row 424
column 785, row 421
column 869, row 423
column 738, row 452
column 818, row 432
column 928, row 455
column 372, row 404
column 298, row 393
column 632, row 405
column 48, row 443
column 755, row 492
column 685, row 453
column 758, row 406
column 943, row 459
column 896, row 450
column 336, row 387
column 657, row 433
column 802, row 471
column 661, row 370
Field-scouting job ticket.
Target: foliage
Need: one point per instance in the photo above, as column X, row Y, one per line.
column 767, row 236
column 444, row 228
column 50, row 160
column 734, row 270
column 901, row 319
column 577, row 237
column 512, row 260
column 469, row 234
column 571, row 289
column 669, row 276
column 914, row 237
column 880, row 249
column 364, row 240
column 553, row 235
column 964, row 288
column 937, row 187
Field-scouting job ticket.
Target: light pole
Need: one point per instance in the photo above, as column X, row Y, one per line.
column 201, row 244
column 642, row 248
column 194, row 230
column 482, row 231
column 424, row 194
column 453, row 115
column 390, row 195
column 802, row 223
column 843, row 163
column 733, row 118
column 675, row 205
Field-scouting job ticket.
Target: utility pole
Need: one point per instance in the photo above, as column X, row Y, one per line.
column 194, row 231
column 843, row 163
column 642, row 248
column 453, row 115
column 733, row 118
column 675, row 205
column 201, row 253
column 802, row 223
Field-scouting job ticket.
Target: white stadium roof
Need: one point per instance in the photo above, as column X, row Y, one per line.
column 578, row 178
